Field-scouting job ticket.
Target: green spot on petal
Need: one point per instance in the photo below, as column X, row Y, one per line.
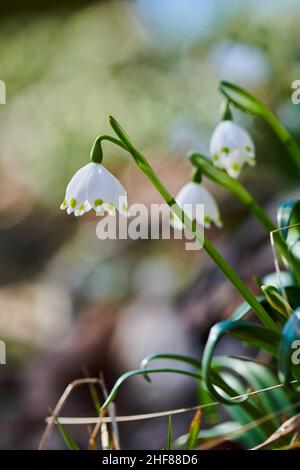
column 235, row 166
column 73, row 203
column 248, row 148
column 219, row 222
column 207, row 219
column 225, row 150
column 124, row 207
column 215, row 157
column 98, row 202
column 64, row 204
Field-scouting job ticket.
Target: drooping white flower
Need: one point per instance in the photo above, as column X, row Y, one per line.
column 231, row 147
column 191, row 195
column 93, row 186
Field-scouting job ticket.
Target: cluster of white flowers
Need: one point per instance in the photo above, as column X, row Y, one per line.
column 230, row 148
column 94, row 187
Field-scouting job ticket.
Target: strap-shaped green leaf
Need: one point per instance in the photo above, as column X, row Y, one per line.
column 285, row 280
column 133, row 373
column 288, row 213
column 69, row 441
column 248, row 408
column 258, row 376
column 293, row 295
column 170, row 432
column 289, row 349
column 174, row 357
column 241, row 98
column 254, row 335
column 277, row 301
column 243, row 309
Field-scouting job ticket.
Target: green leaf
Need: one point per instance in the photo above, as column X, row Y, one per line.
column 95, row 396
column 230, row 384
column 293, row 295
column 219, row 430
column 286, row 280
column 174, row 357
column 70, row 443
column 277, row 301
column 170, row 433
column 241, row 98
column 254, row 335
column 288, row 346
column 132, row 373
column 204, row 398
column 244, row 415
column 243, row 309
column 192, row 438
column 259, row 377
column 288, row 214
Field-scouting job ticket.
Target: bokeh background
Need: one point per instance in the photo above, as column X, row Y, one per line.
column 71, row 305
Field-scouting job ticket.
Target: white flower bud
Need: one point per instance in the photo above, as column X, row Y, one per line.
column 188, row 197
column 231, row 147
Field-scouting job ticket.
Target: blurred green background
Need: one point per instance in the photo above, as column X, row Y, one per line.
column 67, row 300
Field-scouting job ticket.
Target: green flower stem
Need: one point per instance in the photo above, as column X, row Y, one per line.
column 96, row 154
column 243, row 100
column 235, row 187
column 239, row 285
column 143, row 164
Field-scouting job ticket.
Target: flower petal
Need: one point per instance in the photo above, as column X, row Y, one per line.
column 191, row 195
column 106, row 187
column 231, row 146
column 78, row 186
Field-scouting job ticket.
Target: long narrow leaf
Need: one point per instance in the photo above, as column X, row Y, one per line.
column 174, row 357
column 255, row 335
column 132, row 373
column 170, row 432
column 70, row 443
column 289, row 355
column 192, row 438
column 288, row 213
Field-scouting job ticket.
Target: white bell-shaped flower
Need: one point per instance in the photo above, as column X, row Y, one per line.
column 231, row 147
column 190, row 198
column 93, row 186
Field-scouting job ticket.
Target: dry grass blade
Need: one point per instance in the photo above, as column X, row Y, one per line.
column 60, row 404
column 290, row 426
column 104, row 437
column 247, row 427
column 160, row 414
column 112, row 414
column 101, row 425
